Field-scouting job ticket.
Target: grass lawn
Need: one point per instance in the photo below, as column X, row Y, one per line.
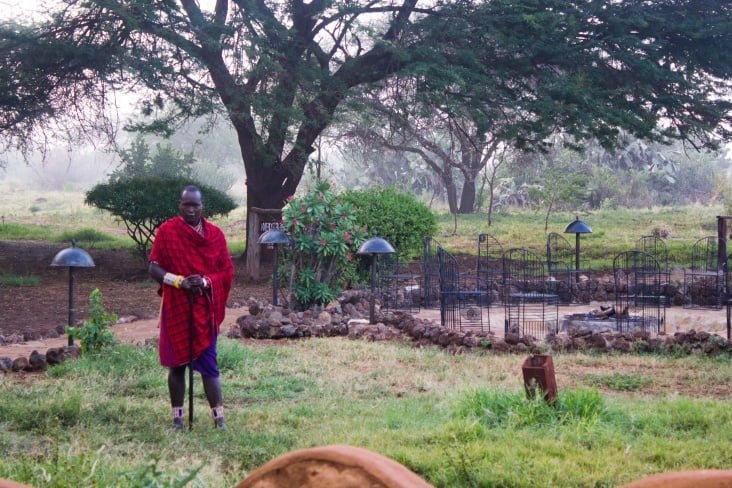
column 457, row 421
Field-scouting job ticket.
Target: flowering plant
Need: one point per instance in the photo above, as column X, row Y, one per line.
column 325, row 237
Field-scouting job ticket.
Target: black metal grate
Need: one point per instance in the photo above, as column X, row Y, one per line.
column 639, row 299
column 490, row 268
column 461, row 306
column 430, row 273
column 531, row 308
column 656, row 247
column 703, row 281
column 398, row 288
column 560, row 263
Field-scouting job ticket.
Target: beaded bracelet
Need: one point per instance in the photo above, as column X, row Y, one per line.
column 173, row 280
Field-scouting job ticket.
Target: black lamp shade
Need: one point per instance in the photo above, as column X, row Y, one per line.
column 73, row 257
column 273, row 236
column 578, row 227
column 375, row 245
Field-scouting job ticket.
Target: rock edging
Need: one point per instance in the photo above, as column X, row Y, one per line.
column 349, row 317
column 38, row 361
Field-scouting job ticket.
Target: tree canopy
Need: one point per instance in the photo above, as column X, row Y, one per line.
column 281, row 71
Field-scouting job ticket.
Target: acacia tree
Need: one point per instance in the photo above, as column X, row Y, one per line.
column 446, row 142
column 589, row 69
column 279, row 70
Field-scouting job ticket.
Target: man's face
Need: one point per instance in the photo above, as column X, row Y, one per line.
column 190, row 206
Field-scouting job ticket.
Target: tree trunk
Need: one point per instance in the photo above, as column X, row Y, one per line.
column 451, row 192
column 268, row 185
column 467, row 198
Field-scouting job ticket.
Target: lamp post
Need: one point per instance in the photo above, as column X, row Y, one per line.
column 274, row 237
column 577, row 227
column 374, row 246
column 72, row 257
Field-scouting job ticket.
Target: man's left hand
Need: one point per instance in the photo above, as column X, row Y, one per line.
column 194, row 283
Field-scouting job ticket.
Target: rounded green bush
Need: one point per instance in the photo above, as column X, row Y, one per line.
column 397, row 217
column 144, row 203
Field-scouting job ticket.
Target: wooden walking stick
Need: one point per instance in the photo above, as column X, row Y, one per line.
column 191, row 330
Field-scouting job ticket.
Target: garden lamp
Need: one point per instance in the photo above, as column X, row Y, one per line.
column 72, row 257
column 274, row 237
column 577, row 227
column 374, row 247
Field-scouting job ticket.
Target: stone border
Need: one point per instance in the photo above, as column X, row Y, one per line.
column 349, row 317
column 39, row 362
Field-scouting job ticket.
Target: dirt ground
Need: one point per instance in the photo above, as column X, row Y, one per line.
column 122, row 278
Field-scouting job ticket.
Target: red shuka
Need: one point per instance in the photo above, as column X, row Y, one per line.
column 180, row 250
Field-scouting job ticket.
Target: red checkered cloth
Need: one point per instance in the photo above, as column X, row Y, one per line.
column 179, row 249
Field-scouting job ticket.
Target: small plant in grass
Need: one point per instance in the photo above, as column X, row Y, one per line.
column 619, row 381
column 94, row 334
column 152, row 475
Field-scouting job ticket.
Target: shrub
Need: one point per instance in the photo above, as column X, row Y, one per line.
column 94, row 334
column 86, row 234
column 325, row 237
column 397, row 217
column 14, row 280
column 144, row 203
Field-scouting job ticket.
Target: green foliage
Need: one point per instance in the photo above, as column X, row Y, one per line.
column 83, row 237
column 146, row 202
column 11, row 230
column 152, row 476
column 618, row 381
column 397, row 217
column 138, row 162
column 14, row 280
column 500, row 60
column 94, row 333
column 211, row 174
column 515, row 410
column 325, row 236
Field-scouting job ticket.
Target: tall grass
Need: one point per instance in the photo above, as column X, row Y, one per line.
column 30, row 214
column 613, row 231
column 457, row 421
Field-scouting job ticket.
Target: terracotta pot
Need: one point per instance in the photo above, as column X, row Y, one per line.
column 704, row 478
column 336, row 466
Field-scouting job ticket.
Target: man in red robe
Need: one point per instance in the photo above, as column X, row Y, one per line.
column 191, row 261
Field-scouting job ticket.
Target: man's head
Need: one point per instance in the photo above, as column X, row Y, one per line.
column 191, row 205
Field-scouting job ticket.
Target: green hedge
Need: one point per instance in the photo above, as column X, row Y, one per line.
column 397, row 217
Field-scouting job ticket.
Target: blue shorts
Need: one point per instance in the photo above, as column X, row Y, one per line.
column 207, row 363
